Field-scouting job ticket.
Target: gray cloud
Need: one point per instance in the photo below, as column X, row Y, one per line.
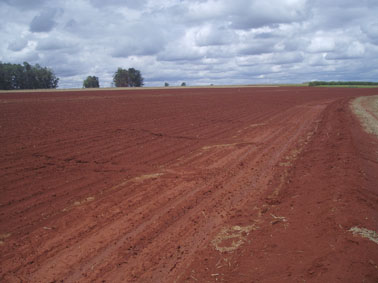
column 44, row 22
column 179, row 55
column 287, row 58
column 210, row 35
column 258, row 46
column 197, row 41
column 49, row 44
column 18, row 44
column 25, row 4
column 116, row 3
column 370, row 29
column 254, row 14
column 140, row 39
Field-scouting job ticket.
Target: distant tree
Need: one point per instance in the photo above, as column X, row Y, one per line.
column 126, row 78
column 91, row 82
column 26, row 76
column 121, row 78
column 135, row 78
column 166, row 84
column 183, row 84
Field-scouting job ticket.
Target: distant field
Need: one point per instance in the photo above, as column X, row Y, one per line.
column 185, row 87
column 132, row 88
column 149, row 88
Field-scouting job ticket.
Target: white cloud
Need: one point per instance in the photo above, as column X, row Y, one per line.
column 351, row 51
column 321, row 44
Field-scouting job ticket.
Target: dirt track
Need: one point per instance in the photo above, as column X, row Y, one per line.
column 190, row 185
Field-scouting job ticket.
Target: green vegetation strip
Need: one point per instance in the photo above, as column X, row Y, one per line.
column 344, row 84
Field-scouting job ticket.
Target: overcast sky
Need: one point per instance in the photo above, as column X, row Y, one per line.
column 200, row 42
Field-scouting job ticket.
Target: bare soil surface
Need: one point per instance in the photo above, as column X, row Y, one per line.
column 188, row 185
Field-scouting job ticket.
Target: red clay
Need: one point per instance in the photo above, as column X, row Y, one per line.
column 189, row 185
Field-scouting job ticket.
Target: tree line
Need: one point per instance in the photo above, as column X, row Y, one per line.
column 26, row 76
column 319, row 83
column 167, row 84
column 121, row 78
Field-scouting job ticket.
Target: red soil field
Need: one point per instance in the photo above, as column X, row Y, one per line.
column 187, row 185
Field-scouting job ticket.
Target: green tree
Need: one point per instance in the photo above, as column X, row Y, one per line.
column 183, row 84
column 121, row 78
column 6, row 76
column 135, row 78
column 91, row 82
column 44, row 77
column 126, row 78
column 166, row 84
column 26, row 76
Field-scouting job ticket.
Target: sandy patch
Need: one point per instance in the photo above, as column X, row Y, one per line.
column 366, row 109
column 365, row 233
column 147, row 176
column 230, row 239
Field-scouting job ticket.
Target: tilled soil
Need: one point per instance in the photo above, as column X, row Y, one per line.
column 190, row 185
